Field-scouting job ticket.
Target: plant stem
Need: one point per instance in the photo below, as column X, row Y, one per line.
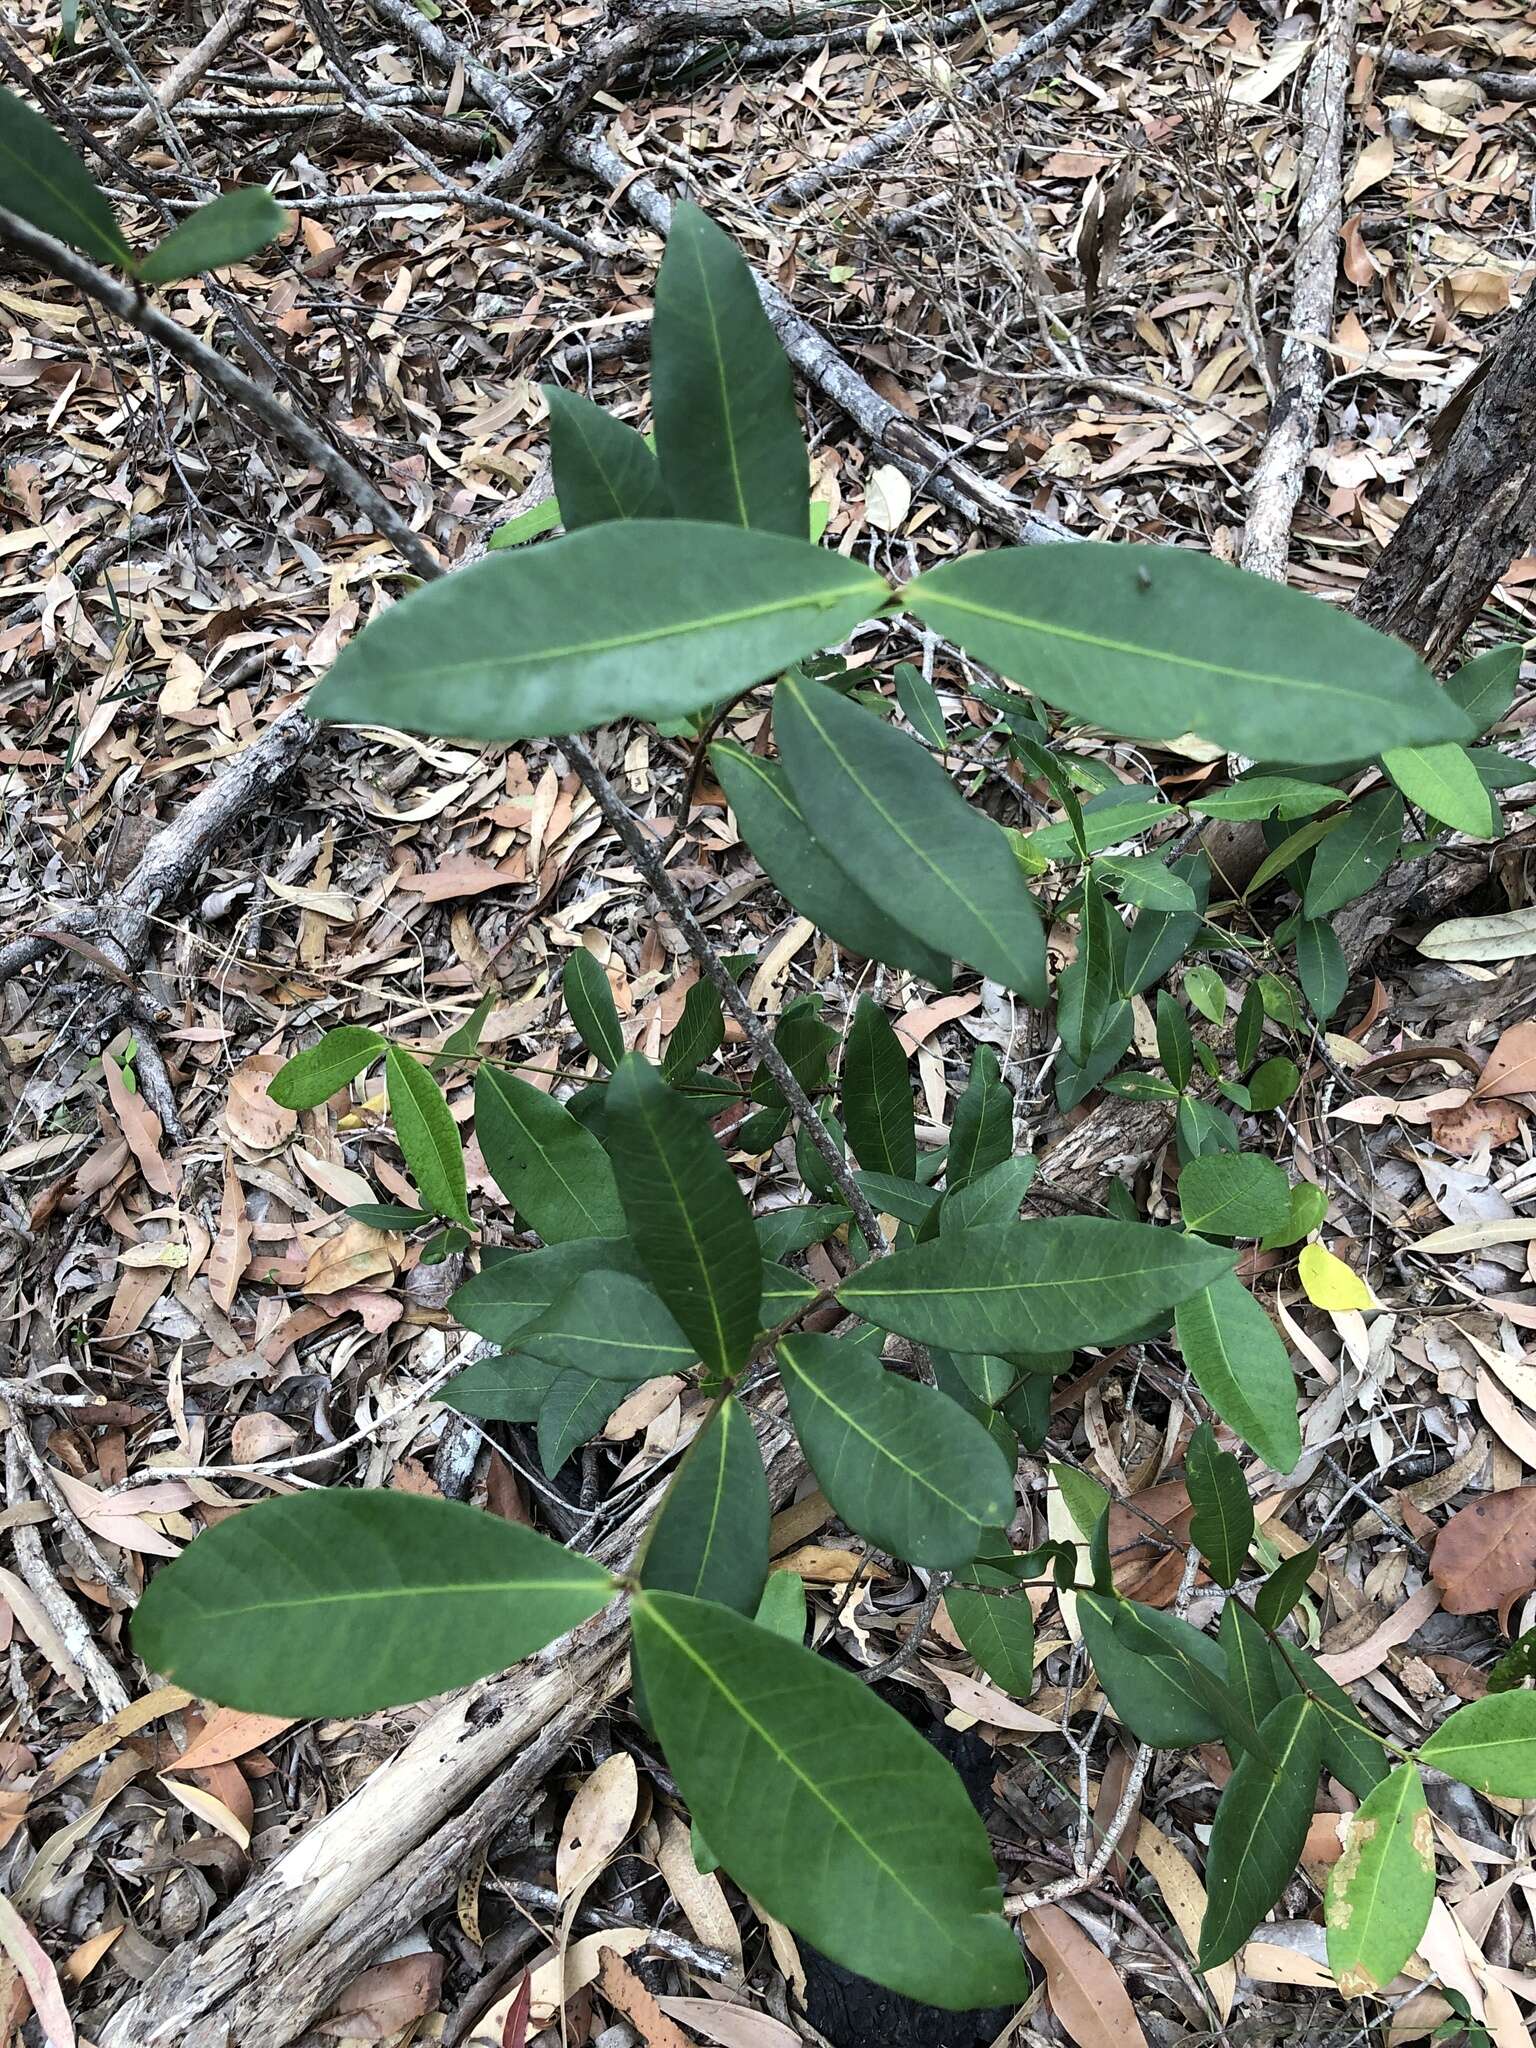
column 647, row 857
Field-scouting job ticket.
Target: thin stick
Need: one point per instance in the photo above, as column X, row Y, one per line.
column 185, row 75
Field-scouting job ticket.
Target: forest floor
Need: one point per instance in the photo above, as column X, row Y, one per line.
column 1080, row 289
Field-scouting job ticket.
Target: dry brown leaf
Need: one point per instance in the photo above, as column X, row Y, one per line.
column 919, row 1025
column 1184, row 1896
column 462, row 876
column 214, row 1811
column 227, row 1735
column 1486, row 1553
column 357, row 1254
column 387, row 1999
column 1465, row 1129
column 141, row 1127
column 600, row 1818
column 700, row 1893
column 1510, row 1068
column 624, row 1991
column 251, row 1117
column 1084, row 1987
column 732, row 2026
column 1358, row 263
column 232, row 1246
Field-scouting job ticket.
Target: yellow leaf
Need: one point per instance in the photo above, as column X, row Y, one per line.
column 1330, row 1284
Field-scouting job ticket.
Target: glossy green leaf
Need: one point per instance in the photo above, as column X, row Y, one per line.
column 1050, row 1285
column 825, row 1805
column 698, row 1034
column 1184, row 1653
column 689, row 1220
column 1261, row 1828
column 610, row 1326
column 709, row 1537
column 589, row 998
column 1109, row 819
column 1350, row 1751
column 1382, row 1888
column 509, row 1388
column 314, row 1075
column 802, row 870
column 727, row 433
column 1205, row 988
column 602, row 468
column 784, row 1294
column 226, row 230
column 920, row 706
column 1309, row 1205
column 1272, row 1084
column 530, row 524
column 887, row 813
column 1485, row 686
column 645, row 618
column 1357, row 854
column 1241, row 1367
column 981, row 1136
column 903, row 1466
column 1222, row 1526
column 428, row 1135
column 1285, row 1586
column 387, row 1215
column 1248, row 1031
column 1234, row 1195
column 909, row 1201
column 1321, row 967
column 999, row 1636
column 1290, row 850
column 1153, row 642
column 1143, row 879
column 571, row 1414
column 1203, row 1129
column 783, row 1607
column 877, row 1095
column 47, row 184
column 1443, row 781
column 1256, row 1672
column 791, row 1229
column 1158, row 938
column 1490, row 1745
column 550, row 1168
column 463, row 1042
column 513, row 1289
column 992, row 1196
column 1266, row 796
column 1088, row 990
column 1153, row 1697
column 1174, row 1043
column 336, row 1603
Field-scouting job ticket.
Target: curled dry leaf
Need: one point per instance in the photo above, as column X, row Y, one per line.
column 1486, row 1553
column 252, row 1118
column 1468, row 1127
column 1084, row 1987
column 355, row 1255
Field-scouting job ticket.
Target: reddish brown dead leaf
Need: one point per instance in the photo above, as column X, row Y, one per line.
column 227, row 1735
column 232, row 1246
column 1147, row 1539
column 141, row 1127
column 1084, row 1987
column 1511, row 1066
column 1470, row 1125
column 465, row 876
column 385, row 2000
column 1359, row 265
column 624, row 1991
column 1486, row 1554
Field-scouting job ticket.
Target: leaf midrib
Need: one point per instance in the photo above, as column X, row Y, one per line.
column 882, row 1450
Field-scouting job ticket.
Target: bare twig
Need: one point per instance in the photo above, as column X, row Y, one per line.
column 194, row 66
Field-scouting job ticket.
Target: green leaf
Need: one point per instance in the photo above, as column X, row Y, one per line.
column 226, row 230
column 1309, row 1205
column 727, row 434
column 1203, row 1129
column 1443, row 781
column 1485, row 686
column 314, row 1075
column 1279, row 999
column 1185, row 1653
column 903, row 1465
column 1234, row 1195
column 1050, row 1285
column 509, row 1388
column 325, row 1604
column 610, row 1326
column 550, row 1168
column 999, row 1636
column 1257, row 1674
column 1155, row 1697
column 1261, row 1828
column 1273, row 1083
column 571, row 1414
column 1174, row 1045
column 698, row 1034
column 646, row 618
column 992, row 1196
column 888, row 814
column 909, row 1201
column 387, row 1215
column 1291, row 849
column 782, row 1608
column 1206, row 990
column 1265, row 796
column 602, row 468
column 1141, row 1088
column 589, row 998
column 464, row 1042
column 47, row 184
column 784, row 1294
column 792, row 1228
column 823, row 1803
column 1222, row 1526
column 1152, row 642
column 530, row 524
column 1321, row 967
column 1088, row 990
column 1350, row 1751
column 1158, row 938
column 1489, row 1745
column 1242, row 1368
column 513, row 1289
column 981, row 1136
column 1248, row 1032
column 920, row 706
column 802, row 870
column 1357, row 854
column 709, row 1537
column 1284, row 1587
column 877, row 1095
column 1109, row 819
column 689, row 1220
column 1382, row 1888
column 1144, row 879
column 428, row 1135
